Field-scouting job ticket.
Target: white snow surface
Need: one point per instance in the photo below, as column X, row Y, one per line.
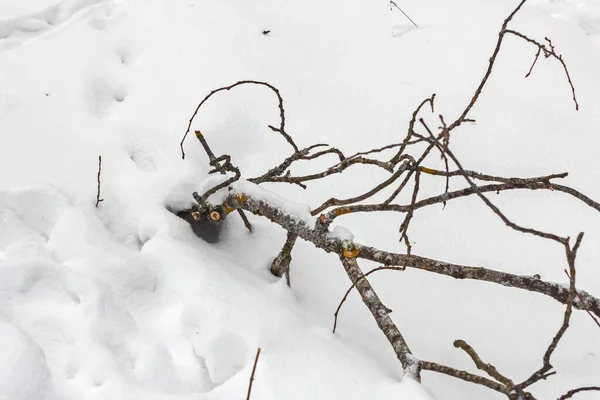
column 123, row 301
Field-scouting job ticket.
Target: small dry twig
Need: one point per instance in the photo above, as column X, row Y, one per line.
column 393, row 3
column 280, row 129
column 570, row 393
column 253, row 371
column 548, row 52
column 98, row 199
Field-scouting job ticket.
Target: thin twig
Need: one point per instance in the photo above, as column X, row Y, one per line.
column 409, row 214
column 411, row 128
column 487, row 368
column 537, row 55
column 280, row 129
column 548, row 52
column 488, row 72
column 253, row 371
column 337, row 202
column 491, row 205
column 570, row 393
column 544, row 371
column 393, row 3
column 98, row 199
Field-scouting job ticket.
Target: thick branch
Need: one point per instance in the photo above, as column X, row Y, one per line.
column 339, row 308
column 322, row 239
column 463, row 375
column 529, row 283
column 381, row 314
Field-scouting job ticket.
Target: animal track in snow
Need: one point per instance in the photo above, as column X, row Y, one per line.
column 102, row 96
column 142, row 153
column 227, row 354
column 15, row 31
column 583, row 13
column 29, row 375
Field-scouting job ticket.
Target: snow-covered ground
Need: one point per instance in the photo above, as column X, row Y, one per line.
column 123, row 301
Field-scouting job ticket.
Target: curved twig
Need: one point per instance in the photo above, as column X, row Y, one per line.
column 281, row 128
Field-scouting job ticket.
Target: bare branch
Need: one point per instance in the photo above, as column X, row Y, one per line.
column 411, row 128
column 485, row 177
column 393, row 3
column 253, row 371
column 487, row 368
column 98, row 199
column 491, row 205
column 380, row 312
column 542, row 373
column 548, row 52
column 409, row 215
column 280, row 129
column 487, row 74
column 336, row 202
column 241, row 197
column 570, row 393
column 463, row 375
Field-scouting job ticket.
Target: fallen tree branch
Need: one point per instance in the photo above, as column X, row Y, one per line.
column 314, row 226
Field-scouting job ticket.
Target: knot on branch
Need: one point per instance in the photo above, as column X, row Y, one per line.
column 349, row 250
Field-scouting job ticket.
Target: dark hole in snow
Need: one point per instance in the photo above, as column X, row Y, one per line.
column 204, row 229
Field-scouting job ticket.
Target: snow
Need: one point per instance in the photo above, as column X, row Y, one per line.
column 339, row 232
column 123, row 301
